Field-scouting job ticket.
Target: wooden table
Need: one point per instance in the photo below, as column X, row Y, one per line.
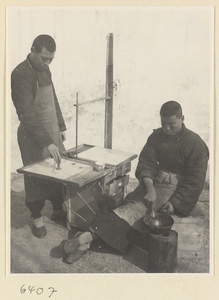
column 79, row 178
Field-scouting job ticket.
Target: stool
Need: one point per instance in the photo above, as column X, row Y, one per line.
column 190, row 233
column 163, row 252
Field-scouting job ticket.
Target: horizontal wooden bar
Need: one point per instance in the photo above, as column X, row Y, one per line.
column 92, row 101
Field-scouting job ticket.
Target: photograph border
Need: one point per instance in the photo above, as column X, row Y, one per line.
column 105, row 286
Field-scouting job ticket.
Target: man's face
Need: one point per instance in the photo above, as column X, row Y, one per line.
column 171, row 125
column 42, row 58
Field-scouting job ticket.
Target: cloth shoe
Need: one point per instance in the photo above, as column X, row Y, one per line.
column 72, row 245
column 81, row 240
column 39, row 232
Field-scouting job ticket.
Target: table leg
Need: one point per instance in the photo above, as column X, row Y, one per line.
column 68, row 208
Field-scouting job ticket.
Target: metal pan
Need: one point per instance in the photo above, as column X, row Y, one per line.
column 160, row 223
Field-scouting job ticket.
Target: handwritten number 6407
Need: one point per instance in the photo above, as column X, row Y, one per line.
column 38, row 291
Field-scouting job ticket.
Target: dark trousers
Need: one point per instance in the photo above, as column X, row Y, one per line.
column 42, row 191
column 114, row 231
column 37, row 190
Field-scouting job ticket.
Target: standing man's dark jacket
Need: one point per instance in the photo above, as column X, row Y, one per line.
column 24, row 85
column 185, row 154
column 32, row 135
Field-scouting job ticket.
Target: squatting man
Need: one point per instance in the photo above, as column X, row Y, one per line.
column 171, row 172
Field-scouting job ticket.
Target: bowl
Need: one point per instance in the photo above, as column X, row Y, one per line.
column 161, row 223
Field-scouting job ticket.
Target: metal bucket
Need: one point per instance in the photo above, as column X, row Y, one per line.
column 163, row 252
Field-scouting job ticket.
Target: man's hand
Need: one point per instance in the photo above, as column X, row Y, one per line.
column 54, row 152
column 63, row 136
column 151, row 196
column 167, row 208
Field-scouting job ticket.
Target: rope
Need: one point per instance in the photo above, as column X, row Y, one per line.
column 75, row 213
column 86, row 203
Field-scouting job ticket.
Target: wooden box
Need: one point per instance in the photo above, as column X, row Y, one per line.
column 190, row 234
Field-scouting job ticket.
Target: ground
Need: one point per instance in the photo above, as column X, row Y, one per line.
column 32, row 255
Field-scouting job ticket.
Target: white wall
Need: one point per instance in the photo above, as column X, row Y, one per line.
column 160, row 54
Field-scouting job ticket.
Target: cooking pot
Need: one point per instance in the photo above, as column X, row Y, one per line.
column 158, row 223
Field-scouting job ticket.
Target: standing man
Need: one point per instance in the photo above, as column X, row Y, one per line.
column 41, row 130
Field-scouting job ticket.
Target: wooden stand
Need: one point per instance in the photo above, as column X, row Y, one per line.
column 163, row 252
column 83, row 185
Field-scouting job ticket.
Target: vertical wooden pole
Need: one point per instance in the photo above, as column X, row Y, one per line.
column 109, row 94
column 76, row 154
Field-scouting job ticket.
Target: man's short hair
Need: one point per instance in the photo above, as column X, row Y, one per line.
column 170, row 109
column 44, row 41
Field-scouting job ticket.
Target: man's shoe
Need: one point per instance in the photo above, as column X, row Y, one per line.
column 73, row 243
column 39, row 232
